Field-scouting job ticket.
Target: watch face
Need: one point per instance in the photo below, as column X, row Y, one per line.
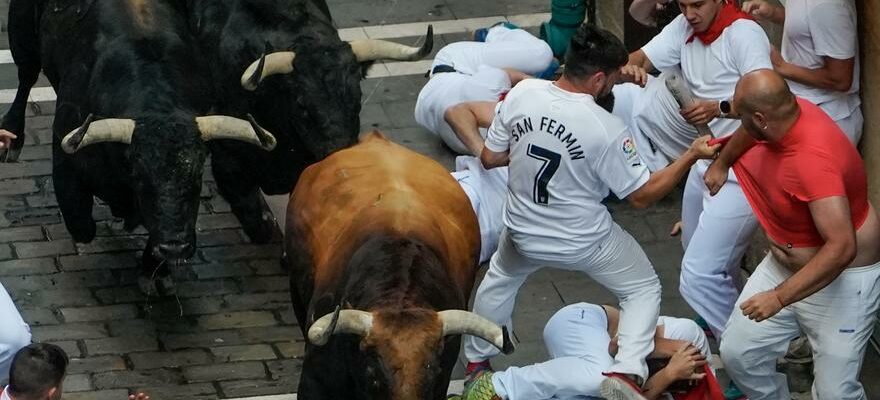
column 724, row 105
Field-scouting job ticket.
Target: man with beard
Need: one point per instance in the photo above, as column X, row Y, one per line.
column 565, row 153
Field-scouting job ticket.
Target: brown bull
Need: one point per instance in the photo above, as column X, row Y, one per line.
column 388, row 236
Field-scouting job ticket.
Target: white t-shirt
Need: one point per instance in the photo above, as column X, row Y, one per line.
column 447, row 89
column 711, row 71
column 4, row 395
column 566, row 153
column 817, row 28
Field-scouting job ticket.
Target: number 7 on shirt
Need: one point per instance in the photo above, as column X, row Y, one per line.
column 550, row 163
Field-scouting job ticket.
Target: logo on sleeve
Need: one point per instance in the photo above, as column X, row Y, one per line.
column 630, row 153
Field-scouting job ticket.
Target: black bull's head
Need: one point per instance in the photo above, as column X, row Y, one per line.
column 317, row 87
column 167, row 156
column 403, row 352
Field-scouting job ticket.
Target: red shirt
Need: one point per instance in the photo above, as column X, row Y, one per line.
column 814, row 160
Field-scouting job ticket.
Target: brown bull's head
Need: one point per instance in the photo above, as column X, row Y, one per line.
column 402, row 350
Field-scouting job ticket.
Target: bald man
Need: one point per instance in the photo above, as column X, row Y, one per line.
column 806, row 183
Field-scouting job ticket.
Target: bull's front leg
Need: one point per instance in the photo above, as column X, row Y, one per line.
column 236, row 183
column 74, row 199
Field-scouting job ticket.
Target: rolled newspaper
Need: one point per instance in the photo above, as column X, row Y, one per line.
column 683, row 95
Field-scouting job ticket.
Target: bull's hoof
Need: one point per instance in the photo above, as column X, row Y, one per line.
column 160, row 286
column 83, row 232
column 264, row 230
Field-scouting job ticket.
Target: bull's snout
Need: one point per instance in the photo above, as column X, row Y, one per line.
column 173, row 250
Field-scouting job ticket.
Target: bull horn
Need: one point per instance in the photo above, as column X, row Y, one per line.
column 340, row 321
column 459, row 322
column 224, row 127
column 372, row 49
column 280, row 62
column 106, row 130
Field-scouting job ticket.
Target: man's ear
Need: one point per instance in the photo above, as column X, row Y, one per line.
column 53, row 393
column 760, row 119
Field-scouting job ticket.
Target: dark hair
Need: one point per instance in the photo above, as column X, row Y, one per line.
column 592, row 50
column 35, row 369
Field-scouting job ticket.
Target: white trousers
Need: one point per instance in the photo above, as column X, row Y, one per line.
column 852, row 125
column 504, row 48
column 577, row 341
column 716, row 231
column 837, row 320
column 487, row 191
column 14, row 334
column 618, row 263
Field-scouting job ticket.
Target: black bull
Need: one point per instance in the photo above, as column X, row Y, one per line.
column 129, row 125
column 136, row 65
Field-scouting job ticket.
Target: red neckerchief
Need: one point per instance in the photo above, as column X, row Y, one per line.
column 728, row 15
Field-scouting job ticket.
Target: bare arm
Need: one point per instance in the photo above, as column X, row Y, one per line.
column 835, row 74
column 516, row 76
column 491, row 159
column 467, row 118
column 832, row 218
column 663, row 181
column 717, row 172
column 764, row 11
column 640, row 59
column 644, row 11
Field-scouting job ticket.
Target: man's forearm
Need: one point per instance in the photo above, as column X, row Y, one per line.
column 657, row 384
column 821, row 270
column 823, row 78
column 466, row 127
column 662, row 182
column 739, row 143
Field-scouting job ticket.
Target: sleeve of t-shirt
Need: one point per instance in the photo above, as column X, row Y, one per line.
column 816, row 178
column 498, row 137
column 664, row 50
column 620, row 167
column 750, row 48
column 833, row 29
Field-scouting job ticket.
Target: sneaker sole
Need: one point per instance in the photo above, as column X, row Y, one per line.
column 613, row 389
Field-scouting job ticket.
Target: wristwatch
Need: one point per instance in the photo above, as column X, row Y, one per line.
column 724, row 108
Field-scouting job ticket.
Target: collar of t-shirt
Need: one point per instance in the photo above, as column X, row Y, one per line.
column 729, row 14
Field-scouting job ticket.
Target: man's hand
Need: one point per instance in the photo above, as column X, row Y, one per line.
column 700, row 148
column 761, row 306
column 139, row 396
column 676, row 229
column 633, row 73
column 760, row 9
column 701, row 112
column 685, row 363
column 6, row 138
column 715, row 178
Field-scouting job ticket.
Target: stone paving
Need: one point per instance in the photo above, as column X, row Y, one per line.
column 231, row 332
